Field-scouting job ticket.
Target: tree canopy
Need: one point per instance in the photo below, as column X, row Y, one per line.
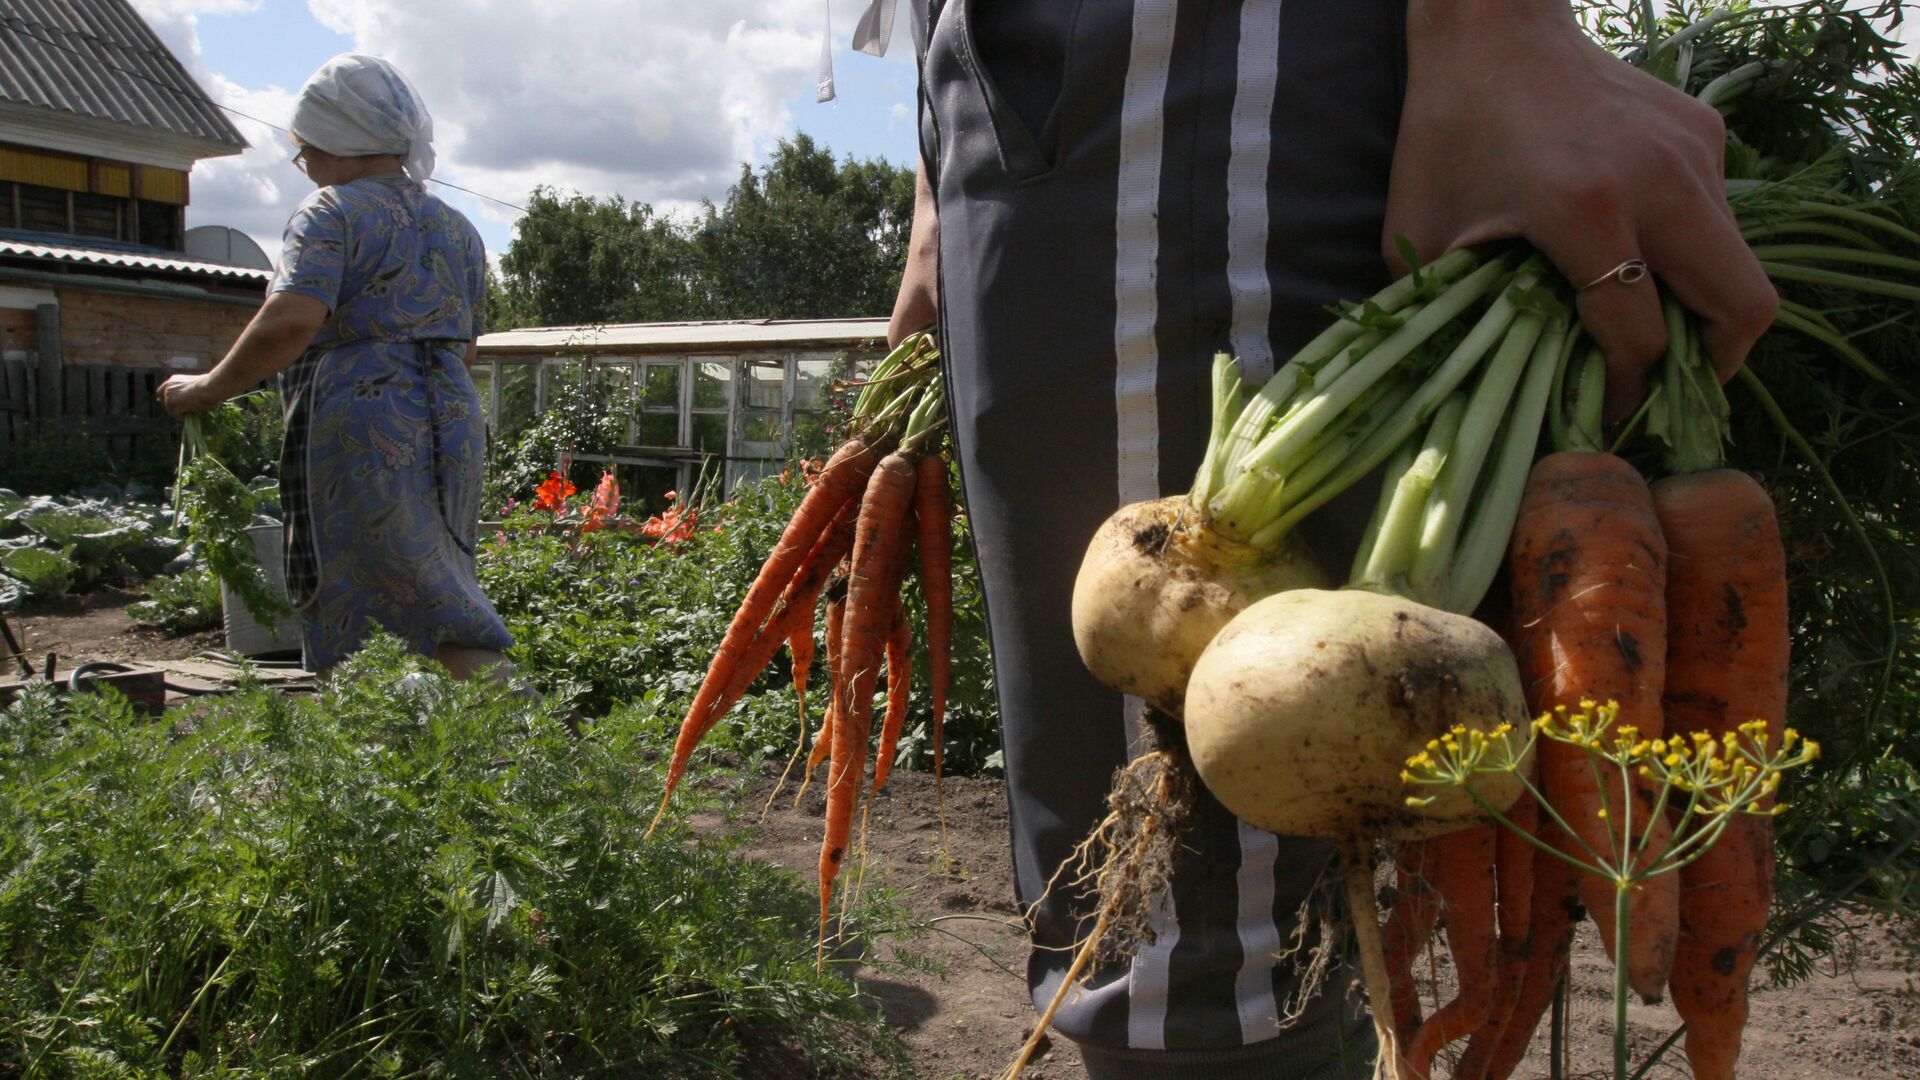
column 801, row 237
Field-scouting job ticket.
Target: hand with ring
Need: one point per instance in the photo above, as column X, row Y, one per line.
column 1516, row 124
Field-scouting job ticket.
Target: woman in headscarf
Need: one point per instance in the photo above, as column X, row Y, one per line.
column 373, row 316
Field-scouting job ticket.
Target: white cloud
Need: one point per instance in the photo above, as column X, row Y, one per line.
column 659, row 100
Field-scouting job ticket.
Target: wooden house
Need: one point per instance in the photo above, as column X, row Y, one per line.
column 100, row 298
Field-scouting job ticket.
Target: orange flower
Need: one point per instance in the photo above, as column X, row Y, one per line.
column 605, row 503
column 553, row 493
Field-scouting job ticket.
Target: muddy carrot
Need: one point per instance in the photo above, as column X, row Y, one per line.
column 899, row 692
column 1460, row 868
column 1513, row 872
column 933, row 515
column 836, row 621
column 1409, row 925
column 1556, row 912
column 1727, row 645
column 872, row 592
column 1589, row 589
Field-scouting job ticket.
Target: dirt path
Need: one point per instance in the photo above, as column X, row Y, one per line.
column 95, row 626
column 1848, row 1023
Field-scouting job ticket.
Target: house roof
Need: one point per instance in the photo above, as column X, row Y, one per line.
column 99, row 59
column 639, row 339
column 127, row 258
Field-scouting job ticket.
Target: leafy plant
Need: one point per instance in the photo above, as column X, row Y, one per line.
column 183, row 603
column 574, row 422
column 44, row 572
column 217, row 509
column 403, row 876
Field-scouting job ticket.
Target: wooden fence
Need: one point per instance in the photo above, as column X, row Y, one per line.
column 115, row 404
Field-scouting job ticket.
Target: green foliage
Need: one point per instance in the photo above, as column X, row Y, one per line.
column 246, row 433
column 183, row 603
column 102, row 539
column 575, row 422
column 217, row 509
column 803, row 237
column 617, row 619
column 403, row 876
column 43, row 571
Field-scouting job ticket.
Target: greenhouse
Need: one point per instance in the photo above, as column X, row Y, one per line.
column 749, row 394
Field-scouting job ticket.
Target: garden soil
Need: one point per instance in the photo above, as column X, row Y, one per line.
column 95, row 626
column 1850, row 1022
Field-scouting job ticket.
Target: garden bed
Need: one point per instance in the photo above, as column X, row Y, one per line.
column 1849, row 1022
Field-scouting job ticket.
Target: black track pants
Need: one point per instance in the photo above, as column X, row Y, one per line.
column 1123, row 190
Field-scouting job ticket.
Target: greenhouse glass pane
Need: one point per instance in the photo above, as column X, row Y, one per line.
column 516, row 400
column 813, row 435
column 710, row 433
column 759, row 435
column 766, row 385
column 662, row 387
column 482, row 374
column 711, row 381
column 643, row 488
column 659, row 429
column 811, row 381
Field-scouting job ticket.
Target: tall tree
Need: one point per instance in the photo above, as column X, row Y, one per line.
column 577, row 260
column 803, row 237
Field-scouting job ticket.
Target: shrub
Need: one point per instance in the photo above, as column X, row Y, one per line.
column 615, row 618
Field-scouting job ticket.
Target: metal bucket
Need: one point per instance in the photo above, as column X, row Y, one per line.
column 246, row 635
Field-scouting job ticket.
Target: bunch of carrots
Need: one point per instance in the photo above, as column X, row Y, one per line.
column 880, row 496
column 1670, row 598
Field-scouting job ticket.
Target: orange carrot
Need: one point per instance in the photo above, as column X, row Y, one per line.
column 1409, row 925
column 1589, row 593
column 800, row 647
column 1557, row 911
column 836, row 620
column 1727, row 644
column 872, row 596
column 1460, row 869
column 899, row 687
column 1513, row 870
column 841, row 480
column 933, row 518
column 795, row 606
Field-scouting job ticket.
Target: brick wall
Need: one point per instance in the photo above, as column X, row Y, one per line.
column 144, row 331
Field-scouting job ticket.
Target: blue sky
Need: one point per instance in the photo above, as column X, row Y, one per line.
column 655, row 100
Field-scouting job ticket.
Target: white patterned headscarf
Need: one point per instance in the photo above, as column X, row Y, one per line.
column 357, row 105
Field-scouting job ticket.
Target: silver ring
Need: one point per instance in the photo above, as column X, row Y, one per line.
column 1626, row 274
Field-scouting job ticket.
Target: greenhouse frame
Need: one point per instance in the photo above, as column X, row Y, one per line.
column 748, row 395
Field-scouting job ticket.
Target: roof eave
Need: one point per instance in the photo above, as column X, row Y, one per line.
column 73, row 133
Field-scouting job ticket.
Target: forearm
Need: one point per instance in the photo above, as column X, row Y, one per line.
column 275, row 338
column 917, row 304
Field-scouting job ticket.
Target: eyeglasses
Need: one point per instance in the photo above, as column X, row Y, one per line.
column 300, row 159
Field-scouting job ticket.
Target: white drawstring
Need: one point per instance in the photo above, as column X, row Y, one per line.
column 823, row 90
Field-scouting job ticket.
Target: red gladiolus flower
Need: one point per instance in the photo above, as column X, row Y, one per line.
column 553, row 493
column 603, row 506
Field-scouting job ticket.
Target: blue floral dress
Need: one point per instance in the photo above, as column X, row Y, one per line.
column 386, row 442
